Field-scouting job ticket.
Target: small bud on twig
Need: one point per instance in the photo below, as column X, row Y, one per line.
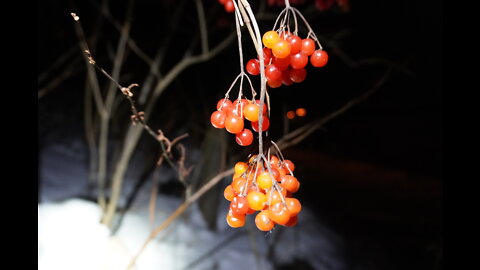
column 75, row 17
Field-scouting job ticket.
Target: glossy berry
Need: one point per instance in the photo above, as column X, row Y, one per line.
column 218, row 119
column 298, row 75
column 244, row 138
column 273, row 73
column 239, row 205
column 289, row 165
column 281, row 49
column 281, row 63
column 265, row 124
column 240, row 167
column 250, row 112
column 267, row 55
column 263, row 222
column 274, row 84
column 298, row 60
column 286, row 77
column 224, row 105
column 229, row 6
column 279, row 213
column 270, row 38
column 238, row 185
column 233, row 124
column 256, row 200
column 293, row 205
column 228, row 193
column 253, row 67
column 308, row 46
column 290, row 183
column 264, row 110
column 264, row 180
column 319, row 58
column 235, row 221
column 295, row 44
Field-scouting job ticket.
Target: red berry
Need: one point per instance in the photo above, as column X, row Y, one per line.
column 273, row 73
column 281, row 63
column 298, row 60
column 234, row 124
column 239, row 205
column 274, row 84
column 218, row 119
column 224, row 105
column 295, row 44
column 298, row 75
column 253, row 67
column 286, row 77
column 244, row 138
column 229, row 6
column 319, row 58
column 264, row 110
column 267, row 55
column 265, row 124
column 308, row 46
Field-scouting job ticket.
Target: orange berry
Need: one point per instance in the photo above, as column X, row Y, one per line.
column 256, row 200
column 250, row 112
column 289, row 165
column 235, row 221
column 228, row 193
column 270, row 38
column 279, row 213
column 264, row 180
column 240, row 167
column 263, row 222
column 293, row 205
column 290, row 183
column 281, row 49
column 238, row 185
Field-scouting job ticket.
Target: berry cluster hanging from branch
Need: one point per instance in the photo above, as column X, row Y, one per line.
column 266, row 182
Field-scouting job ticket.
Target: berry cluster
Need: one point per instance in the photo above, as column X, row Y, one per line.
column 228, row 5
column 285, row 57
column 266, row 187
column 230, row 115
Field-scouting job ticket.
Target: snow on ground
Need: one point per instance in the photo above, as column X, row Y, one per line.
column 71, row 237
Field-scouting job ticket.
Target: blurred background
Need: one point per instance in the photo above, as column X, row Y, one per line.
column 371, row 177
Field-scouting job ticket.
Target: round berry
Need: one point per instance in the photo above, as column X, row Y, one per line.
column 298, row 60
column 319, row 58
column 295, row 44
column 253, row 67
column 308, row 46
column 250, row 112
column 279, row 213
column 244, row 138
column 265, row 124
column 235, row 221
column 264, row 180
column 233, row 124
column 270, row 38
column 281, row 49
column 273, row 73
column 256, row 200
column 298, row 75
column 263, row 222
column 218, row 119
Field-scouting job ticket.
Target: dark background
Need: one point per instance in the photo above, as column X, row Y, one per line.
column 373, row 174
